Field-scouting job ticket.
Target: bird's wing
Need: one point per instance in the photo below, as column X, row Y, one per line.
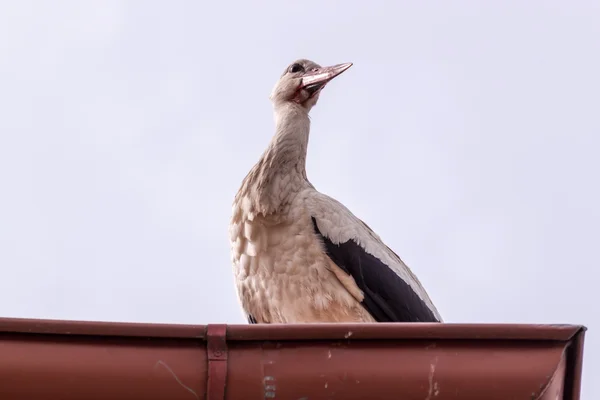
column 392, row 293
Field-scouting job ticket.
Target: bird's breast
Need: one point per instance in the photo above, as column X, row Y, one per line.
column 281, row 271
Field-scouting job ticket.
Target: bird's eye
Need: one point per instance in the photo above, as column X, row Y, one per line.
column 296, row 68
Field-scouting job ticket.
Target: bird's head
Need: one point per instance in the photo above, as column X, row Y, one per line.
column 302, row 81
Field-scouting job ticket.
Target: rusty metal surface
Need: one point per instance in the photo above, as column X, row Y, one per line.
column 91, row 360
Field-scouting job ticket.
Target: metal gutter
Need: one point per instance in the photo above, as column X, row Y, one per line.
column 45, row 359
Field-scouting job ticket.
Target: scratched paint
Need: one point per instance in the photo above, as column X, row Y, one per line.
column 434, row 389
column 189, row 389
column 270, row 387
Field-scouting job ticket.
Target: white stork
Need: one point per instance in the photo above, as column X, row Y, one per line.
column 300, row 256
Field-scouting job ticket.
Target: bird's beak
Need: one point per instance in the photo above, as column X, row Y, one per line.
column 314, row 80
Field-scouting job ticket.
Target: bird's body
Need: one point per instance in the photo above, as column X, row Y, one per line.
column 300, row 256
column 282, row 273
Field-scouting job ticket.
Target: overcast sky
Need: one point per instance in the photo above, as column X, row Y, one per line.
column 466, row 135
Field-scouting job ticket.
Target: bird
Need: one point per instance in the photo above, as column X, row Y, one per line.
column 299, row 255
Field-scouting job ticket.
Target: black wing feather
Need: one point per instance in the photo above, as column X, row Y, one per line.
column 387, row 297
column 251, row 319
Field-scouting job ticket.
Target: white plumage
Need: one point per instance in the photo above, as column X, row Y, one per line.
column 300, row 256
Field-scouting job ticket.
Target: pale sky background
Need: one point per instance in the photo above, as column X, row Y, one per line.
column 466, row 134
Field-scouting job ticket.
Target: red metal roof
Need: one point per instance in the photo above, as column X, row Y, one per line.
column 99, row 360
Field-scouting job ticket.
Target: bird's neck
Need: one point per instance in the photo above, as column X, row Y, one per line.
column 287, row 150
column 281, row 171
